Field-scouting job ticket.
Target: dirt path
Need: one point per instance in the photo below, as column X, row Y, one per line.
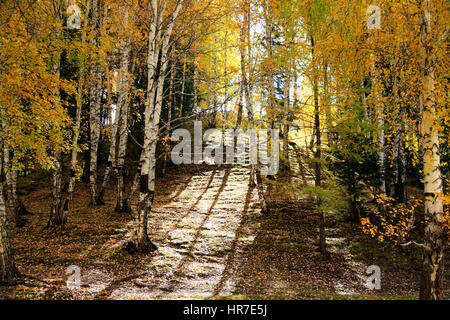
column 214, row 242
column 199, row 233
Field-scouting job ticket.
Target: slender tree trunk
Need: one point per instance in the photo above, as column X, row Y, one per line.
column 432, row 284
column 255, row 170
column 286, row 122
column 123, row 204
column 135, row 182
column 56, row 216
column 381, row 142
column 402, row 193
column 215, row 87
column 395, row 176
column 15, row 205
column 68, row 205
column 270, row 72
column 142, row 242
column 326, row 105
column 183, row 85
column 210, row 105
column 400, row 161
column 225, row 103
column 240, row 108
column 158, row 48
column 381, row 152
column 195, row 109
column 318, row 150
column 95, row 108
column 112, row 155
column 354, row 203
column 295, row 102
column 86, row 162
column 7, row 266
column 394, row 181
column 11, row 183
column 170, row 106
column 318, row 175
column 245, row 89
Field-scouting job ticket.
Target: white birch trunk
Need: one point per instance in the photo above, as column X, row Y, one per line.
column 183, row 85
column 432, row 284
column 56, row 208
column 158, row 47
column 68, row 205
column 122, row 204
column 255, row 170
column 170, row 106
column 94, row 103
column 381, row 142
column 7, row 265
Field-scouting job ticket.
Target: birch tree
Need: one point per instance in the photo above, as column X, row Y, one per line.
column 95, row 96
column 434, row 242
column 158, row 46
column 68, row 204
column 56, row 214
column 7, row 265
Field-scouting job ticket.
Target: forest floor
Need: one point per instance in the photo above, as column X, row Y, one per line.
column 213, row 243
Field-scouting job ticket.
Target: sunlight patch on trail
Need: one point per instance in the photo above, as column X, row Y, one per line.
column 200, row 235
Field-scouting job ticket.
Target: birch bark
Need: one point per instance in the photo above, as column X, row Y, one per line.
column 432, row 283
